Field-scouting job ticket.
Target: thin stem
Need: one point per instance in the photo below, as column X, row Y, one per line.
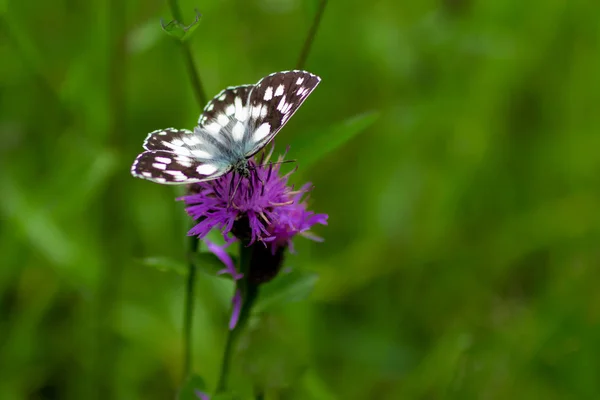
column 311, row 35
column 188, row 309
column 249, row 296
column 193, row 244
column 190, row 64
column 194, row 77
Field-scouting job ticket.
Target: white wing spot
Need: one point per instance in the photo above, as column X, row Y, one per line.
column 201, row 154
column 261, row 132
column 176, row 142
column 222, row 119
column 147, row 174
column 184, row 161
column 174, row 173
column 210, row 107
column 279, row 91
column 263, row 112
column 164, row 160
column 159, row 180
column 241, row 112
column 268, row 93
column 206, row 169
column 213, row 128
column 191, row 140
column 238, row 132
column 302, row 91
column 230, row 110
column 177, row 149
column 287, row 108
column 299, row 81
column 222, row 97
column 158, row 165
column 256, row 111
column 281, row 104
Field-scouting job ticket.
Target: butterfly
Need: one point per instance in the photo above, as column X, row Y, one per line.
column 234, row 126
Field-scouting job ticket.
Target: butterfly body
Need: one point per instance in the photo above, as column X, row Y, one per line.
column 235, row 125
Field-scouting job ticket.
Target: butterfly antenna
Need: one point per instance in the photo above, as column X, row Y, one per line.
column 279, row 162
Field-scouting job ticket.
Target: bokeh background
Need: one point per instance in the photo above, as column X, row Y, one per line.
column 461, row 260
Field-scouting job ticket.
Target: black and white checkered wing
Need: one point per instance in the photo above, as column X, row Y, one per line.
column 225, row 118
column 177, row 156
column 273, row 101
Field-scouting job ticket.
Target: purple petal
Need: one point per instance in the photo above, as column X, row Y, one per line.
column 201, row 396
column 225, row 258
column 237, row 307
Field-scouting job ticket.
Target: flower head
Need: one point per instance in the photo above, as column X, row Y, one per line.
column 260, row 207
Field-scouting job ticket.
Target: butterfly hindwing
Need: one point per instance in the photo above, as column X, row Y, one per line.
column 169, row 139
column 273, row 100
column 170, row 168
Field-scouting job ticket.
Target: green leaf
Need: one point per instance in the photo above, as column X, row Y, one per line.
column 165, row 264
column 286, row 288
column 312, row 147
column 180, row 31
column 192, row 384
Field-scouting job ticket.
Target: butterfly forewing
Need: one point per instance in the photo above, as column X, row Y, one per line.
column 273, row 100
column 170, row 168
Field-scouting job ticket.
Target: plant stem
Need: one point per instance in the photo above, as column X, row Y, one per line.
column 190, row 64
column 194, row 243
column 188, row 309
column 249, row 296
column 311, row 35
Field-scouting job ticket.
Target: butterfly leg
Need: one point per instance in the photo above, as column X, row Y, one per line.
column 231, row 193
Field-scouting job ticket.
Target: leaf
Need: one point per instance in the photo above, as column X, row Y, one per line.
column 312, row 147
column 165, row 264
column 180, row 31
column 194, row 383
column 286, row 288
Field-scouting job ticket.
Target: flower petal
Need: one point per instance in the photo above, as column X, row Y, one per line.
column 237, row 307
column 225, row 258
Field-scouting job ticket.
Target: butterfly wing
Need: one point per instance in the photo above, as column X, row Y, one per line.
column 178, row 156
column 171, row 168
column 273, row 101
column 223, row 122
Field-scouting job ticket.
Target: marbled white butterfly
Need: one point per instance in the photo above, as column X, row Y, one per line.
column 233, row 127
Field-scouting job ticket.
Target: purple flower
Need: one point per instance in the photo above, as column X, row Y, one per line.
column 262, row 207
column 259, row 208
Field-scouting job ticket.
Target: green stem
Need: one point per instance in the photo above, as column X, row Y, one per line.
column 190, row 64
column 249, row 296
column 188, row 309
column 311, row 35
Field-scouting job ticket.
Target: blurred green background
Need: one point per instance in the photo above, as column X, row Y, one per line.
column 461, row 260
